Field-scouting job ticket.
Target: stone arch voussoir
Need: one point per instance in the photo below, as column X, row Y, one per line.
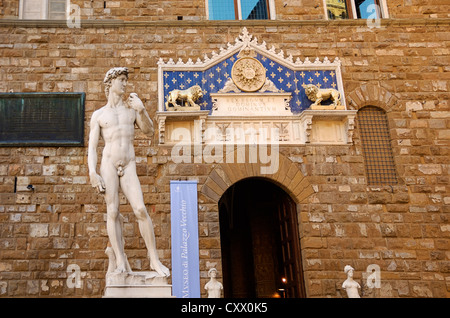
column 372, row 95
column 288, row 176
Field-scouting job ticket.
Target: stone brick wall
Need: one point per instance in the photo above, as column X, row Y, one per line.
column 401, row 67
column 195, row 10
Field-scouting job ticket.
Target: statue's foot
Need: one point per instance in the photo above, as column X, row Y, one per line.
column 160, row 268
column 121, row 268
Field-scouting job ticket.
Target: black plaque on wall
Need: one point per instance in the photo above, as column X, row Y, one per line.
column 42, row 119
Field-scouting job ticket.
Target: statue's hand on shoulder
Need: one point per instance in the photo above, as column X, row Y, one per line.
column 135, row 102
column 97, row 183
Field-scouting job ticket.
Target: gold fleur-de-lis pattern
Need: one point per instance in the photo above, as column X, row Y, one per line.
column 284, row 78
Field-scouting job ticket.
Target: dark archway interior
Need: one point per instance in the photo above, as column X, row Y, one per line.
column 259, row 241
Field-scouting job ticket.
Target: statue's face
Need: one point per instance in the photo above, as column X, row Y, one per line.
column 119, row 84
column 350, row 273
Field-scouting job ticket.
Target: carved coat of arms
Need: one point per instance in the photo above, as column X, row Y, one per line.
column 248, row 74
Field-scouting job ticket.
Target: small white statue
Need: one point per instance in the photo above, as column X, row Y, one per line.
column 350, row 286
column 213, row 287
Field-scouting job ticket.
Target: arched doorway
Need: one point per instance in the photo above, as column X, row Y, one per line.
column 259, row 241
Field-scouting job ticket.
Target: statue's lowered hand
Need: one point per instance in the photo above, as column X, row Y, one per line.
column 98, row 183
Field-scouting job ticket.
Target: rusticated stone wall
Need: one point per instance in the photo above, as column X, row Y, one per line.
column 195, row 10
column 401, row 67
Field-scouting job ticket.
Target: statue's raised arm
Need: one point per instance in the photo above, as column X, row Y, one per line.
column 143, row 120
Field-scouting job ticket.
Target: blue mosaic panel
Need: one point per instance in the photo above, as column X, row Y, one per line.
column 285, row 79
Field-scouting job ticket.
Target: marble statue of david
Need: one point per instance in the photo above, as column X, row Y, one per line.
column 115, row 123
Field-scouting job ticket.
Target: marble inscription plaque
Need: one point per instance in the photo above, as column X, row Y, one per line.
column 251, row 104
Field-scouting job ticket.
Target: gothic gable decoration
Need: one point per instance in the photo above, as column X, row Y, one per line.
column 247, row 87
column 249, row 67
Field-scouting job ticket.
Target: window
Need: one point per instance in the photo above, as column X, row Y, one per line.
column 239, row 9
column 337, row 9
column 43, row 9
column 356, row 9
column 376, row 144
column 57, row 9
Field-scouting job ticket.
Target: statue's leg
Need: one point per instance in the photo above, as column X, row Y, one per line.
column 131, row 187
column 337, row 100
column 112, row 260
column 113, row 226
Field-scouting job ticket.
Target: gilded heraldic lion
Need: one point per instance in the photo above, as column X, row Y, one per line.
column 189, row 96
column 317, row 95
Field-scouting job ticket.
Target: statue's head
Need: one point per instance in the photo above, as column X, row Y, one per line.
column 112, row 74
column 212, row 272
column 349, row 270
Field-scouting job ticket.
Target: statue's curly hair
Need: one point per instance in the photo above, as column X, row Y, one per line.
column 112, row 74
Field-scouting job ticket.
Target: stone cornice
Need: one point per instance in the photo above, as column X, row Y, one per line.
column 108, row 23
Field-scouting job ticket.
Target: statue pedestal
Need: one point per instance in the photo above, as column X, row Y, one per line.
column 137, row 285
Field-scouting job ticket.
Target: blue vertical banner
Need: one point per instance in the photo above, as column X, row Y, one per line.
column 184, row 227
